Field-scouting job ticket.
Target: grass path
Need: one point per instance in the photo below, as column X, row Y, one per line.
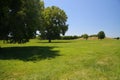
column 61, row 60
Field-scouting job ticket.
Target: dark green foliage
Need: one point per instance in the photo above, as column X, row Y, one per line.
column 101, row 35
column 4, row 18
column 18, row 20
column 62, row 37
column 85, row 36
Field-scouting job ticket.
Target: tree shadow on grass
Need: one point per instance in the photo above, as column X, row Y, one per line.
column 30, row 53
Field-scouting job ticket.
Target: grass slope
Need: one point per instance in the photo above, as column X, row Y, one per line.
column 61, row 60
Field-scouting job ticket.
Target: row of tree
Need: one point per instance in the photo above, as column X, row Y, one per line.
column 100, row 35
column 117, row 38
column 20, row 19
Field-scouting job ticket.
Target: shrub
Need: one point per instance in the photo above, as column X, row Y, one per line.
column 69, row 37
column 101, row 35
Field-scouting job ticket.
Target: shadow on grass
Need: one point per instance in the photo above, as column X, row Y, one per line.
column 30, row 53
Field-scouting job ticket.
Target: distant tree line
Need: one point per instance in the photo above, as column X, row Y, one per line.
column 117, row 38
column 93, row 35
column 100, row 35
column 69, row 37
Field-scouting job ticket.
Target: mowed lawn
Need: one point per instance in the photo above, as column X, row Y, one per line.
column 61, row 60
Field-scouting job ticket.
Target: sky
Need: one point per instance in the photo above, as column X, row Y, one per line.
column 90, row 16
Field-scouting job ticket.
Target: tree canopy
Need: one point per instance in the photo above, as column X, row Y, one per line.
column 18, row 20
column 54, row 23
column 101, row 35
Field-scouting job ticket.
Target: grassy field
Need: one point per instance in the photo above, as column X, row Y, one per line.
column 61, row 60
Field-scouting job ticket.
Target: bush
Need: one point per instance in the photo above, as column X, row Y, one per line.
column 69, row 37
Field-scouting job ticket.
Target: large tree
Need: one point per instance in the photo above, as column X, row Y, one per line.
column 4, row 18
column 18, row 20
column 101, row 35
column 54, row 23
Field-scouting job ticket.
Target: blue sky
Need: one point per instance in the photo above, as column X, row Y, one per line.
column 90, row 16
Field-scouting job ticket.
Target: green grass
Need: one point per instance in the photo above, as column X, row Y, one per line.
column 61, row 60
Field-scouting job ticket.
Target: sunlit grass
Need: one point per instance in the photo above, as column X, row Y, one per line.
column 61, row 60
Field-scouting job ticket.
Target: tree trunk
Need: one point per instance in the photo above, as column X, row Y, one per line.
column 0, row 48
column 49, row 40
